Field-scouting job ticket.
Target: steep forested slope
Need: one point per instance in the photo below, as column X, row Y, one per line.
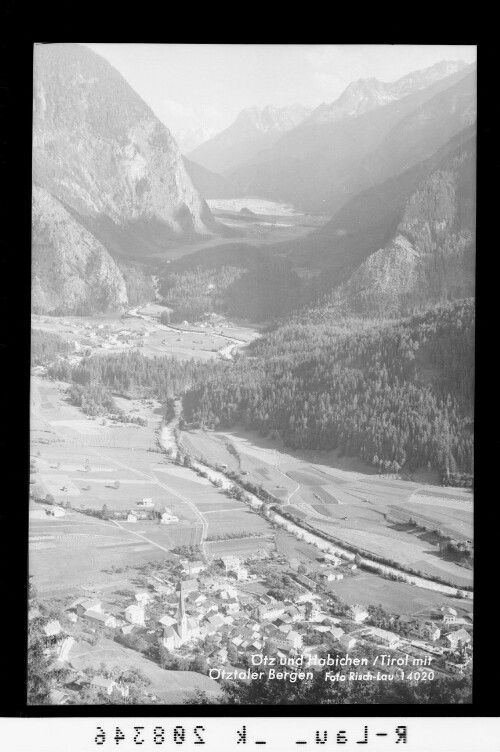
column 400, row 392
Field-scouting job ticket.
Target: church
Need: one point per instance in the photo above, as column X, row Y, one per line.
column 185, row 630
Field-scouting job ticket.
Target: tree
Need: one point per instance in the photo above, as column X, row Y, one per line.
column 116, row 484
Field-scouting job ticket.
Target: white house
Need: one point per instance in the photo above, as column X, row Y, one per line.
column 431, row 631
column 294, row 639
column 103, row 684
column 146, row 503
column 131, row 517
column 88, row 604
column 347, row 641
column 167, row 518
column 386, row 638
column 458, row 638
column 107, row 620
column 135, row 615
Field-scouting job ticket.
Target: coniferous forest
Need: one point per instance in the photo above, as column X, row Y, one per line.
column 399, row 393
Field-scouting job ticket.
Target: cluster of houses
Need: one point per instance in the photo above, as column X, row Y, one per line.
column 182, row 610
column 103, row 337
column 148, row 510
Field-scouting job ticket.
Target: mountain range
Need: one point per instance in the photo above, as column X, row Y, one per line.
column 368, row 93
column 319, row 166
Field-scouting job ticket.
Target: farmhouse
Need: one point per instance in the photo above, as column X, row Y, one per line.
column 271, row 611
column 135, row 615
column 103, row 684
column 242, row 574
column 430, row 631
column 458, row 638
column 294, row 639
column 194, row 567
column 458, row 666
column 107, row 620
column 88, row 604
column 52, row 628
column 167, row 518
column 347, row 641
column 308, row 583
column 337, row 633
column 294, row 564
column 386, row 638
column 146, row 504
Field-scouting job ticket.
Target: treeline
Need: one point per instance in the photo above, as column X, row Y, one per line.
column 92, row 399
column 45, row 345
column 388, row 393
column 131, row 373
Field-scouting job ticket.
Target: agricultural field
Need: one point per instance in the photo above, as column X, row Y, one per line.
column 394, row 597
column 76, row 550
column 241, row 546
column 93, row 465
column 352, row 502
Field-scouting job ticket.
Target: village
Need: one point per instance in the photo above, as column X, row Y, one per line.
column 201, row 617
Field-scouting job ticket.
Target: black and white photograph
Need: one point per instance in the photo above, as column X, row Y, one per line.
column 253, row 273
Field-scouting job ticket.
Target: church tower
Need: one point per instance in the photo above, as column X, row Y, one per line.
column 182, row 626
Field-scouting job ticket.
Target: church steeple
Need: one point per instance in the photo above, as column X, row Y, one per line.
column 181, row 615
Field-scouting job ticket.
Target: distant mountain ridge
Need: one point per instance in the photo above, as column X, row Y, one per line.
column 368, row 93
column 319, row 166
column 253, row 130
column 111, row 165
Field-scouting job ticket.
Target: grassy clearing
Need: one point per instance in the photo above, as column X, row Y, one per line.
column 394, row 597
column 174, row 687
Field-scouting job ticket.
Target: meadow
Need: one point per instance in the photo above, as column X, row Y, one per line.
column 351, row 501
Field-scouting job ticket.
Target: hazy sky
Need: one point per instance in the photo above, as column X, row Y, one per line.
column 206, row 85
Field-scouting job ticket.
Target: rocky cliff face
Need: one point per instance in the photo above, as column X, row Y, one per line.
column 432, row 254
column 72, row 271
column 104, row 156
